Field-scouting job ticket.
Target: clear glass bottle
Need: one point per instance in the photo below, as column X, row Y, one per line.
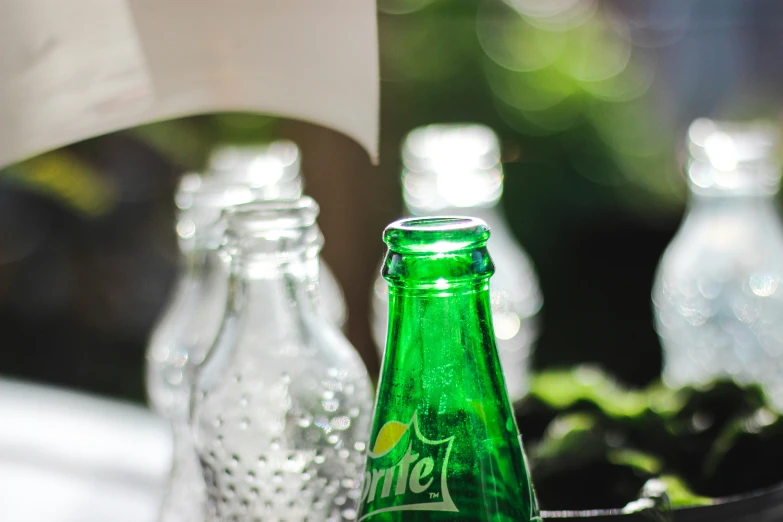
column 282, row 403
column 186, row 331
column 717, row 302
column 274, row 172
column 456, row 169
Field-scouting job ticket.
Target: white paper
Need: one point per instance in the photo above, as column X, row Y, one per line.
column 73, row 69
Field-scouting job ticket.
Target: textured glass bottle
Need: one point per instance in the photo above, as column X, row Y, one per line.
column 188, row 327
column 717, row 298
column 444, row 445
column 186, row 331
column 455, row 169
column 274, row 172
column 282, row 402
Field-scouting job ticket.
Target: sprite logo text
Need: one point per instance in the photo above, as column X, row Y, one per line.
column 406, row 471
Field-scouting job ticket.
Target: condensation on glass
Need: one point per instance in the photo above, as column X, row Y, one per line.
column 717, row 298
column 456, row 169
column 282, row 403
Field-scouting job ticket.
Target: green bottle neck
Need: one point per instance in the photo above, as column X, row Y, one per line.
column 440, row 325
column 445, row 337
column 438, row 274
column 439, row 311
column 444, row 445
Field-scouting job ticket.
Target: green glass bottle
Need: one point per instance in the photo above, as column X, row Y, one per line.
column 444, row 444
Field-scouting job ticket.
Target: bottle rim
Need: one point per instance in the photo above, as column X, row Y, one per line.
column 430, row 235
column 265, row 216
column 272, row 233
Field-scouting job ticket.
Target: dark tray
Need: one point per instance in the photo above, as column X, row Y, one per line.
column 764, row 506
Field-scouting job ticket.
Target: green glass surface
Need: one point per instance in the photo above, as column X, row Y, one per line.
column 444, row 444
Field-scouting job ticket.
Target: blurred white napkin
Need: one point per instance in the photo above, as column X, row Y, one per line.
column 74, row 69
column 71, row 457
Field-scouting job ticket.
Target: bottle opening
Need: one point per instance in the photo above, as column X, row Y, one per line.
column 434, row 235
column 281, row 228
column 264, row 216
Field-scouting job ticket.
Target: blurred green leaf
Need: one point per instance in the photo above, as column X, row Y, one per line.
column 65, row 177
column 561, row 389
column 680, row 495
column 635, row 459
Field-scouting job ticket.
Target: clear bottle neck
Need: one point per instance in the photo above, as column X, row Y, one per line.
column 202, row 264
column 451, row 166
column 750, row 201
column 749, row 181
column 750, row 189
column 273, row 293
column 276, row 242
column 732, row 161
column 302, row 269
column 276, row 302
column 271, row 171
column 434, row 192
column 198, row 232
column 235, row 175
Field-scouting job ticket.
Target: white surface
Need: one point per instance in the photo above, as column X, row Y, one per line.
column 79, row 68
column 70, row 457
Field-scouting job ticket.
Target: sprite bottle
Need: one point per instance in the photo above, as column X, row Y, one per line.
column 444, row 444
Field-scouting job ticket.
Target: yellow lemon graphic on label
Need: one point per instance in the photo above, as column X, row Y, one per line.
column 389, row 435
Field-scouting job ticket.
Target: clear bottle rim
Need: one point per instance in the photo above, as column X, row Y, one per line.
column 277, row 230
column 263, row 216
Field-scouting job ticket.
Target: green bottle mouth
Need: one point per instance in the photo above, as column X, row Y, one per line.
column 436, row 235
